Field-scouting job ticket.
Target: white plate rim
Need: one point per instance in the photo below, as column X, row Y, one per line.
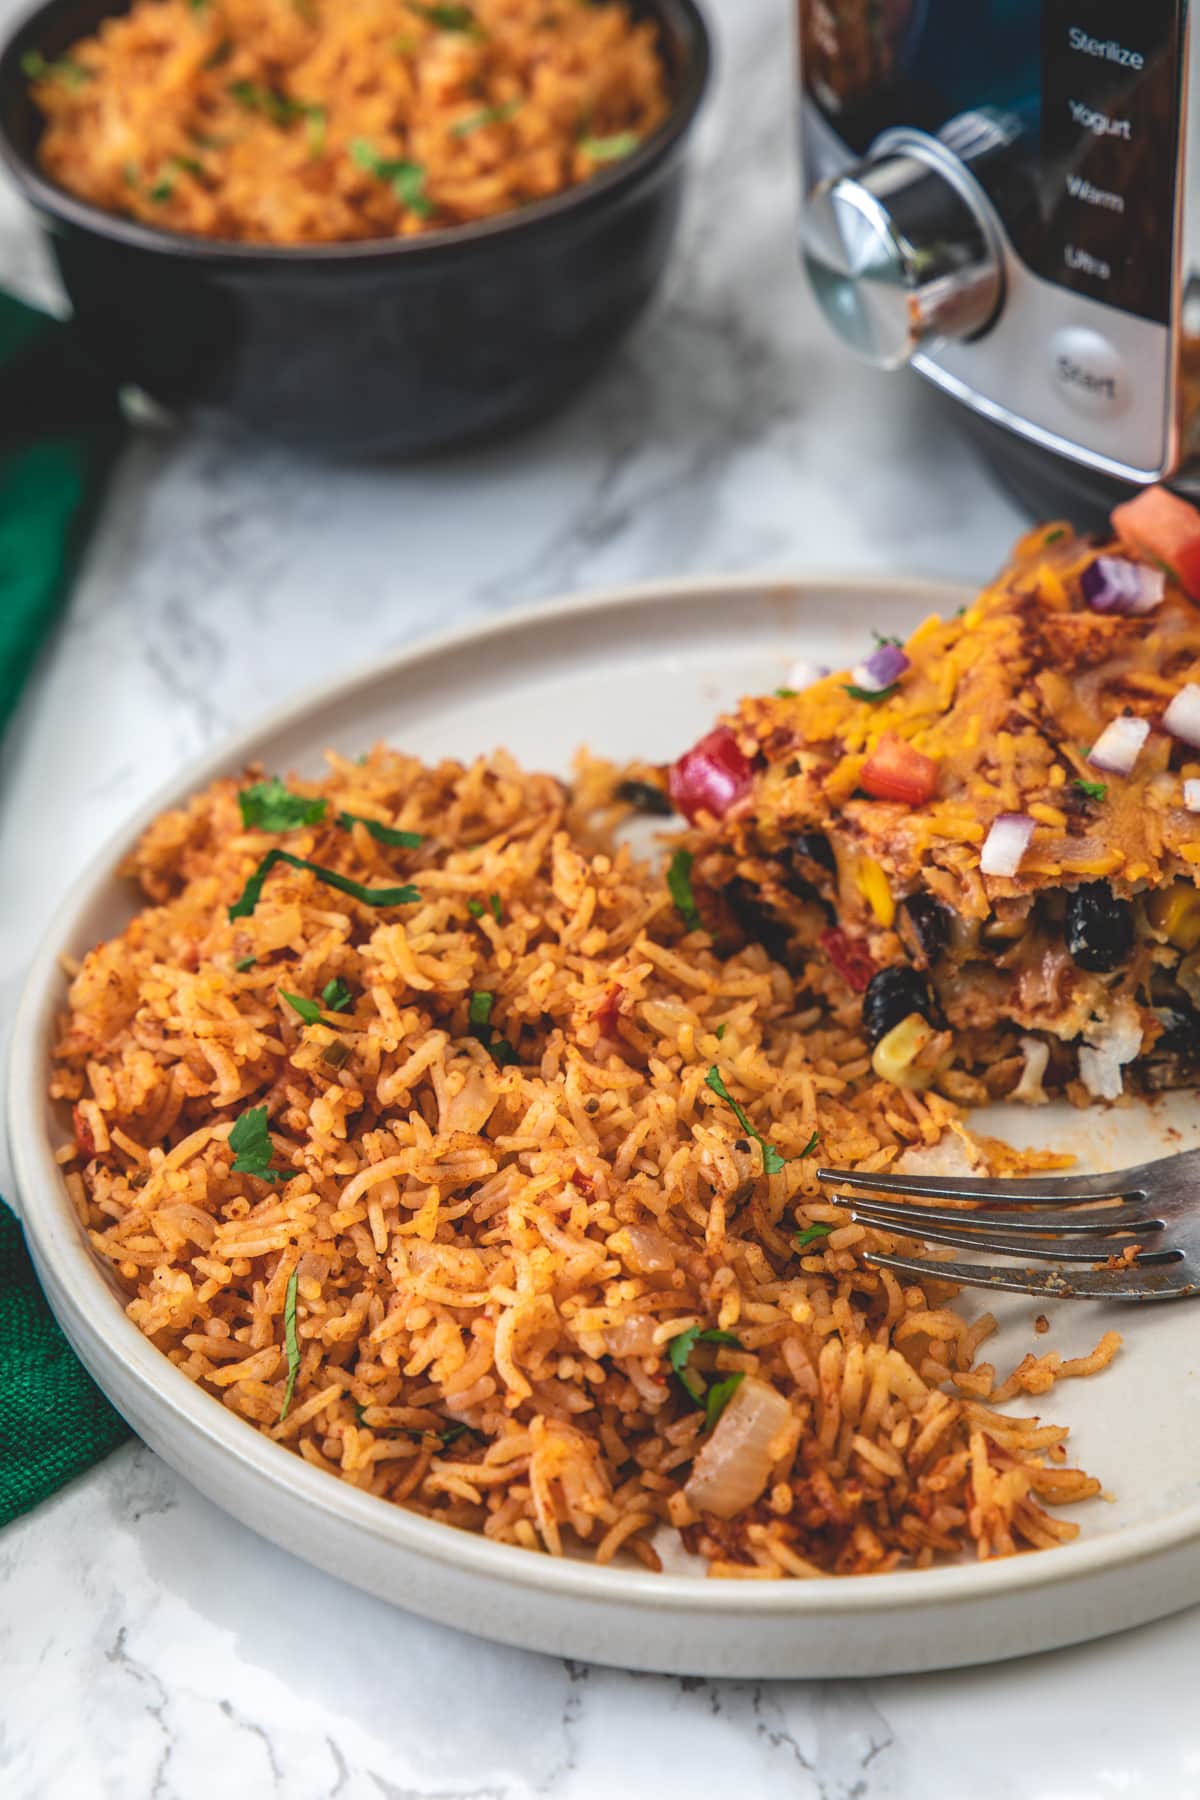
column 60, row 1251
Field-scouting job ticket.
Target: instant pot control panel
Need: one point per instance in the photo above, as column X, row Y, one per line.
column 997, row 194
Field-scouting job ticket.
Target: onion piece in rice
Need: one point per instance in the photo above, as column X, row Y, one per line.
column 1191, row 794
column 731, row 1470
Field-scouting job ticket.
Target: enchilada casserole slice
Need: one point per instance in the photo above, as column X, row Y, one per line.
column 989, row 833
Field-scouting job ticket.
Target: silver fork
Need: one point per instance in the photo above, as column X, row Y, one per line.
column 1073, row 1219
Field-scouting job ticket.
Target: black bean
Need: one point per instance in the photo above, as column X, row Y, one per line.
column 1162, row 1073
column 1181, row 1029
column 892, row 994
column 1099, row 927
column 813, row 846
column 923, row 926
column 759, row 925
column 644, row 797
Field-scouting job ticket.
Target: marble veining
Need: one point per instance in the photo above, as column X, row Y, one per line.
column 149, row 1647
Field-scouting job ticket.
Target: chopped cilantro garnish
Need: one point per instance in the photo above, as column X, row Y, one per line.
column 719, row 1395
column 773, row 1160
column 281, row 109
column 679, row 885
column 443, row 1439
column 680, row 1349
column 488, row 115
column 610, row 149
column 269, row 806
column 479, row 1017
column 1095, row 790
column 187, row 165
column 810, row 1235
column 245, row 962
column 881, row 639
column 383, row 834
column 495, row 908
column 811, row 1145
column 36, row 67
column 475, row 908
column 336, row 995
column 722, row 1028
column 447, row 18
column 162, row 190
column 406, row 179
column 871, row 695
column 645, row 797
column 251, row 1143
column 250, row 895
column 1052, row 537
column 291, row 1341
column 786, row 693
column 309, row 1011
column 317, row 120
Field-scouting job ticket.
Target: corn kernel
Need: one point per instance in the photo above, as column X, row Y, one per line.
column 873, row 886
column 1175, row 912
column 895, row 1055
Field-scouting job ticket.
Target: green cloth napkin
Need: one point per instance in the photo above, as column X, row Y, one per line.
column 59, row 429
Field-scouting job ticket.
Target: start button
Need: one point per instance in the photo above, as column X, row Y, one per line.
column 1087, row 372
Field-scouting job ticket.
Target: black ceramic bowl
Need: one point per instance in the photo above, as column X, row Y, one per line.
column 366, row 348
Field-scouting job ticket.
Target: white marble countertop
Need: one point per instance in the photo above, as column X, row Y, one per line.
column 151, row 1647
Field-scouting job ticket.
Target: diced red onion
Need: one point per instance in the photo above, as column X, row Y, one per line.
column 802, row 674
column 1182, row 717
column 1113, row 585
column 880, row 669
column 1119, row 745
column 1005, row 844
column 731, row 1470
column 1191, row 795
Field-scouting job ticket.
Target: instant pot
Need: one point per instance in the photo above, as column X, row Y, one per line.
column 1005, row 196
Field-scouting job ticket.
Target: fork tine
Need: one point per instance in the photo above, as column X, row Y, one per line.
column 1156, row 1283
column 1077, row 1249
column 1045, row 1191
column 912, row 1218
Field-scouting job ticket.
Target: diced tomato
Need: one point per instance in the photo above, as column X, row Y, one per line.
column 1165, row 528
column 895, row 771
column 582, row 1183
column 710, row 776
column 849, row 956
column 608, row 1012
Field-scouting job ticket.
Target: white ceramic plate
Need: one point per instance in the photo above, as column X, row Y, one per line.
column 643, row 673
